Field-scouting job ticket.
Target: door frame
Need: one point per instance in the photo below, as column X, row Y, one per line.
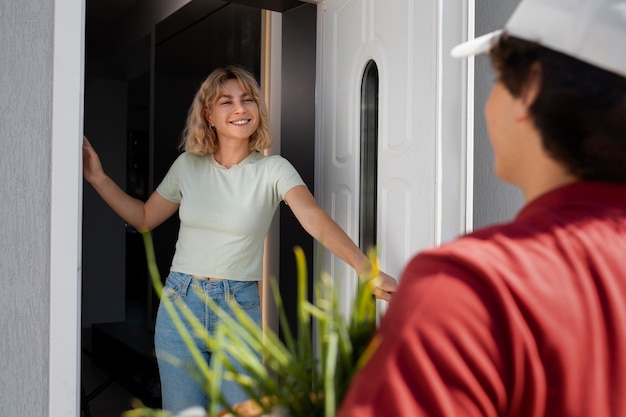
column 67, row 196
column 66, row 208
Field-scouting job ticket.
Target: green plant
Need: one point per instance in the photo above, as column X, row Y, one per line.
column 293, row 376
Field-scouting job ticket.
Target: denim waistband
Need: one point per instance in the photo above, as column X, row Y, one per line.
column 185, row 281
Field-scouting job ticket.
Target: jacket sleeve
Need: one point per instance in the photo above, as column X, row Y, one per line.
column 439, row 352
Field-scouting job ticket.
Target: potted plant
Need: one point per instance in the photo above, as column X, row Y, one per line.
column 294, row 378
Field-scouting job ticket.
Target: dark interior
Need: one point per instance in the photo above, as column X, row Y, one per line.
column 141, row 72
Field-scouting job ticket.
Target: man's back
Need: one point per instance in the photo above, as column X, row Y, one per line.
column 525, row 319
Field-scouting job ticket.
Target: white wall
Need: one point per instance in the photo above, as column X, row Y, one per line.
column 40, row 115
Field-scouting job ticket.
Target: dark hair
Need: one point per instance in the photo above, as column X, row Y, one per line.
column 580, row 110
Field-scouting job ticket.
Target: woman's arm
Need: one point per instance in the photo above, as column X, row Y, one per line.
column 142, row 216
column 326, row 231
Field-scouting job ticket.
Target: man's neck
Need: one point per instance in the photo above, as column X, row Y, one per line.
column 544, row 175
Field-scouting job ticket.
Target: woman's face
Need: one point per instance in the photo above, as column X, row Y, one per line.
column 234, row 113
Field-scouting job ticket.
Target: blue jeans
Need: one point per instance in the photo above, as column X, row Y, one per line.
column 180, row 389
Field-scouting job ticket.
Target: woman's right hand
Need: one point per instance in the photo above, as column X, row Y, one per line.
column 142, row 216
column 92, row 167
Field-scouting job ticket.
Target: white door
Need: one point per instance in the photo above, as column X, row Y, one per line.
column 422, row 151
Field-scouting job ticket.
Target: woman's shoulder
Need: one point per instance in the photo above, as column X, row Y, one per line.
column 270, row 160
column 187, row 163
column 189, row 158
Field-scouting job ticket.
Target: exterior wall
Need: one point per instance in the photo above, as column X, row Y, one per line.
column 26, row 30
column 40, row 116
column 495, row 201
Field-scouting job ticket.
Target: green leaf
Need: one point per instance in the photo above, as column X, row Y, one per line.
column 289, row 373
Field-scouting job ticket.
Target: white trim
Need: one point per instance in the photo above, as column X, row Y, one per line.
column 65, row 208
column 319, row 118
column 319, row 128
column 469, row 122
column 438, row 223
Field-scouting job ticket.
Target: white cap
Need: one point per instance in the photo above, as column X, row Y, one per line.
column 593, row 31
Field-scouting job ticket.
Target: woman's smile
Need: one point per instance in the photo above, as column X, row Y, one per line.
column 240, row 122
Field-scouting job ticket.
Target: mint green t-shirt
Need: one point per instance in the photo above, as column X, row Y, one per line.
column 225, row 213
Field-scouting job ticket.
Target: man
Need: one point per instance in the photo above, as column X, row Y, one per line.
column 526, row 318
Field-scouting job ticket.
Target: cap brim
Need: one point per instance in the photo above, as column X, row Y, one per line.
column 476, row 46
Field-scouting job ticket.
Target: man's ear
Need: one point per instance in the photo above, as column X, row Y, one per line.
column 533, row 85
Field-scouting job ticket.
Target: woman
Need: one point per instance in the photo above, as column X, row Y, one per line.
column 226, row 192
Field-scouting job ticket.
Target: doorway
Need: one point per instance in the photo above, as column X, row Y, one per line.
column 136, row 99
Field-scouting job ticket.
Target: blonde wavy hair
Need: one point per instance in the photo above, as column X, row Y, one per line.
column 198, row 137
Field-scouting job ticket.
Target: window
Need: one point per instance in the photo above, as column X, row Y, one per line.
column 369, row 157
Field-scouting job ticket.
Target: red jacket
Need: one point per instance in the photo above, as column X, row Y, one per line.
column 526, row 319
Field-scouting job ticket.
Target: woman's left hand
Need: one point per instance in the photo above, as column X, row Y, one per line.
column 384, row 286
